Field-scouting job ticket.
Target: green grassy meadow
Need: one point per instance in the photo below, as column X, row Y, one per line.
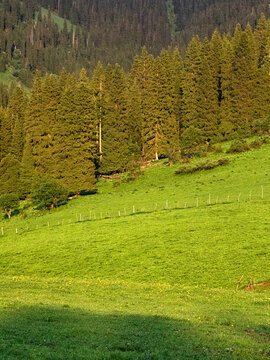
column 151, row 269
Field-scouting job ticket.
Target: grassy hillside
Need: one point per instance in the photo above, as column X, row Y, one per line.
column 145, row 270
column 57, row 19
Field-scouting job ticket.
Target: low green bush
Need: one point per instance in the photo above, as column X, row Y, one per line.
column 48, row 193
column 262, row 126
column 238, row 146
column 134, row 175
column 216, row 149
column 256, row 144
column 9, row 203
column 204, row 165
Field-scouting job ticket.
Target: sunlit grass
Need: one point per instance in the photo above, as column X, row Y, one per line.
column 94, row 280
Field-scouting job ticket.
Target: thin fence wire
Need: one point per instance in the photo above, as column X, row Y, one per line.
column 167, row 205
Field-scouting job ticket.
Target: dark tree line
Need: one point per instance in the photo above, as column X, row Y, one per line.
column 110, row 31
column 72, row 128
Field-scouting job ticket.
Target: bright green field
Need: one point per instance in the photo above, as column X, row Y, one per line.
column 82, row 282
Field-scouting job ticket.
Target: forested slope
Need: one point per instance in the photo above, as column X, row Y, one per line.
column 73, row 128
column 107, row 31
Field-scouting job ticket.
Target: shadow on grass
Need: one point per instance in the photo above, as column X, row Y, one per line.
column 62, row 333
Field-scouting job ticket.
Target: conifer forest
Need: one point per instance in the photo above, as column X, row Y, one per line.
column 74, row 126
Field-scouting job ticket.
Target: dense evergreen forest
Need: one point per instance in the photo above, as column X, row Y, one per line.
column 73, row 128
column 110, row 31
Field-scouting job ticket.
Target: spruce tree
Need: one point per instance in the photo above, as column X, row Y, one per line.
column 244, row 68
column 27, row 171
column 12, row 125
column 134, row 119
column 7, row 126
column 9, row 175
column 167, row 98
column 75, row 149
column 35, row 128
column 192, row 96
column 143, row 73
column 216, row 59
column 115, row 134
column 227, row 126
column 2, row 132
column 98, row 87
column 262, row 36
column 208, row 83
column 19, row 104
column 261, row 103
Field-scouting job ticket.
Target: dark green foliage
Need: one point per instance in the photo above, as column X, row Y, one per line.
column 12, row 125
column 262, row 126
column 143, row 76
column 73, row 128
column 203, row 17
column 37, row 130
column 173, row 156
column 256, row 144
column 115, row 129
column 216, row 149
column 238, row 146
column 190, row 138
column 9, row 175
column 27, row 171
column 205, row 165
column 172, row 19
column 135, row 171
column 48, row 193
column 134, row 175
column 75, row 138
column 16, row 64
column 191, row 97
column 169, row 70
column 16, row 110
column 110, row 31
column 8, row 203
column 244, row 64
column 241, row 145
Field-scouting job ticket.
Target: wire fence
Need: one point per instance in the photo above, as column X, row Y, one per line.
column 35, row 224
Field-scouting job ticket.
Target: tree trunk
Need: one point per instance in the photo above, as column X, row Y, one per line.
column 156, row 141
column 100, row 121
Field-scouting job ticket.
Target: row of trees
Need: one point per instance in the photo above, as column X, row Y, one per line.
column 75, row 128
